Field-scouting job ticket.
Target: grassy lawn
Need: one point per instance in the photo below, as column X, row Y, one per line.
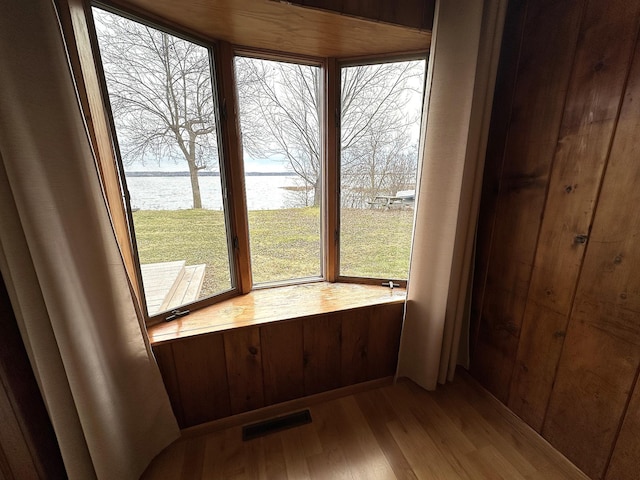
column 375, row 243
column 284, row 243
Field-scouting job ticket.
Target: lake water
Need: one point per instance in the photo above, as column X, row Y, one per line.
column 264, row 192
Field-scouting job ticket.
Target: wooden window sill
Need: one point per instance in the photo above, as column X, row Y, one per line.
column 274, row 305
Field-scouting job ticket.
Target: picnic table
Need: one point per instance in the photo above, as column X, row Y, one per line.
column 400, row 199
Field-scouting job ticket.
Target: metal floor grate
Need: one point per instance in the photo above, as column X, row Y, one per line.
column 276, row 424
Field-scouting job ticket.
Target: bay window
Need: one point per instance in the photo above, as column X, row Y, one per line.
column 237, row 172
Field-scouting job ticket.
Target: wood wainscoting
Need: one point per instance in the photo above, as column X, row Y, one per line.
column 240, row 368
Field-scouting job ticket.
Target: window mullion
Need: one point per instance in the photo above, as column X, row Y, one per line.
column 233, row 164
column 331, row 193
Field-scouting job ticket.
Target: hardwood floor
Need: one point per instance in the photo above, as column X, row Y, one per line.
column 393, row 432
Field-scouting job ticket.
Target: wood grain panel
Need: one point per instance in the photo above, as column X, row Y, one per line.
column 322, row 346
column 333, row 5
column 216, row 375
column 13, row 444
column 244, row 369
column 231, row 136
column 28, row 445
column 468, row 399
column 275, row 304
column 625, row 461
column 282, row 361
column 593, row 100
column 344, row 428
column 202, row 379
column 5, row 468
column 361, row 8
column 287, row 28
column 551, row 30
column 499, row 127
column 594, row 380
column 601, row 354
column 355, row 346
column 378, row 407
column 409, row 13
column 598, row 79
column 538, row 355
column 167, row 367
column 400, row 431
column 331, row 175
column 385, row 326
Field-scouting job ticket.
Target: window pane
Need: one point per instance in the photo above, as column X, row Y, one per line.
column 280, row 120
column 162, row 100
column 381, row 109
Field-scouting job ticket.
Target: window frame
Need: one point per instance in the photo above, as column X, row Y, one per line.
column 269, row 55
column 222, row 56
column 362, row 61
column 228, row 198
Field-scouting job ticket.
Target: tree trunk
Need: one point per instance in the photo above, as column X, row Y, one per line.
column 317, row 193
column 195, row 185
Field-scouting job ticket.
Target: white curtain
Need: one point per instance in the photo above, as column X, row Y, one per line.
column 61, row 264
column 462, row 68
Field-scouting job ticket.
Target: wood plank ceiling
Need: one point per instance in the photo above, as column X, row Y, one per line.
column 277, row 26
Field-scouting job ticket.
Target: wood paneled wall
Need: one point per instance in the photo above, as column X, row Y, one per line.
column 213, row 376
column 408, row 13
column 556, row 306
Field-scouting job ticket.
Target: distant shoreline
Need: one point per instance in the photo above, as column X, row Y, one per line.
column 206, row 174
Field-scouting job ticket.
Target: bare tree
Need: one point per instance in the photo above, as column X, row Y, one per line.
column 162, row 98
column 161, row 94
column 281, row 115
column 378, row 154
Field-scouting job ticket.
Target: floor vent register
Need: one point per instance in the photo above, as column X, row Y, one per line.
column 276, row 424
